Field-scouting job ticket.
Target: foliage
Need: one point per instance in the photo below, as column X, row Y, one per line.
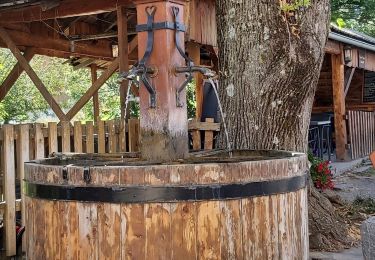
column 355, row 14
column 24, row 103
column 191, row 100
column 294, row 5
column 320, row 172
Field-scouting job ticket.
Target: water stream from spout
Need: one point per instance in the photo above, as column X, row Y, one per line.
column 229, row 147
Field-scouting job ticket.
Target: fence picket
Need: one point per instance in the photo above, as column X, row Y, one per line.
column 89, row 137
column 39, row 141
column 52, row 138
column 77, row 137
column 9, row 190
column 65, row 136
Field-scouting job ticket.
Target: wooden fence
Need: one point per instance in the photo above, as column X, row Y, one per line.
column 361, row 129
column 22, row 143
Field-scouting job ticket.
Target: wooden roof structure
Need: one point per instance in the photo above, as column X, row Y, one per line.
column 89, row 33
column 92, row 33
column 346, row 86
column 85, row 31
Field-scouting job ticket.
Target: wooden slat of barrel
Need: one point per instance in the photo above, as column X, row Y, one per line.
column 40, row 230
column 231, row 230
column 109, row 230
column 88, row 230
column 183, row 225
column 158, row 219
column 208, row 218
column 133, row 229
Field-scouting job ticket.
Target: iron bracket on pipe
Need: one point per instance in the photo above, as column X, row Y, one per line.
column 140, row 68
column 190, row 68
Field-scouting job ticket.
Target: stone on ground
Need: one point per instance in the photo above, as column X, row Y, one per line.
column 368, row 238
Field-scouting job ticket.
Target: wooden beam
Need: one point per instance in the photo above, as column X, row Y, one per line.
column 14, row 74
column 122, row 34
column 84, row 63
column 339, row 108
column 29, row 70
column 90, row 37
column 195, row 54
column 348, row 79
column 332, row 47
column 95, row 97
column 37, row 40
column 67, row 8
column 93, row 89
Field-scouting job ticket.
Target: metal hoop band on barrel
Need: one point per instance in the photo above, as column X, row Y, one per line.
column 140, row 194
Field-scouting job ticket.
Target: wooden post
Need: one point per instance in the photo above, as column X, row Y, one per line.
column 133, row 125
column 208, row 136
column 123, row 51
column 338, row 86
column 95, row 97
column 194, row 51
column 164, row 128
column 9, row 190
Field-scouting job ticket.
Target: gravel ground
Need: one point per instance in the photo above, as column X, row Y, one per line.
column 358, row 182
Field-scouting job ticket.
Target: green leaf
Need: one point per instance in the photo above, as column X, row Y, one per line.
column 341, row 23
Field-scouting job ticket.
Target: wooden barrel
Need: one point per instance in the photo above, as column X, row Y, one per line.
column 251, row 206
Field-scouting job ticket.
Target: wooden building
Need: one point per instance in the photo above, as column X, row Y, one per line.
column 346, row 89
column 102, row 35
column 92, row 33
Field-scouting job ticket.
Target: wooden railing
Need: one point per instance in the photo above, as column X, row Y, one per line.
column 361, row 129
column 22, row 143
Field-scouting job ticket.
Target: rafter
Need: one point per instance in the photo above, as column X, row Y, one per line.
column 29, row 70
column 14, row 74
column 61, row 45
column 67, row 8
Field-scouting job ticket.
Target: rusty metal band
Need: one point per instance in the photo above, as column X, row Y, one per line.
column 161, row 26
column 149, row 194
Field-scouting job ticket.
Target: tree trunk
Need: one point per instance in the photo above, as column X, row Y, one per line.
column 270, row 62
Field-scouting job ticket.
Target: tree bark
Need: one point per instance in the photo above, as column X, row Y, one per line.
column 270, row 63
column 269, row 70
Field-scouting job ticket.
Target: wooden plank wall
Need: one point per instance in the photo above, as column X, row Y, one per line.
column 323, row 95
column 354, row 96
column 21, row 143
column 361, row 133
column 201, row 20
